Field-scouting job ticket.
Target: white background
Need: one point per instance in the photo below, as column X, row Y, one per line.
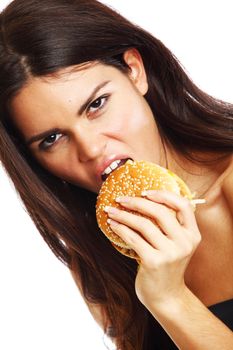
column 40, row 307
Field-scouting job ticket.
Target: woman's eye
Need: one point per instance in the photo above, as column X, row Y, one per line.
column 97, row 104
column 49, row 141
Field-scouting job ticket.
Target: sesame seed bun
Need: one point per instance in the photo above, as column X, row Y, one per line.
column 131, row 179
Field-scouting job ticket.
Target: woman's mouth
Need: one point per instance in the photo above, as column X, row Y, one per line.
column 114, row 165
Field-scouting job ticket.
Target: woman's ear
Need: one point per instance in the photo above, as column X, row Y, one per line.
column 137, row 73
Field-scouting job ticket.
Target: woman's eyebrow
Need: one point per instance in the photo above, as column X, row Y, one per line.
column 80, row 111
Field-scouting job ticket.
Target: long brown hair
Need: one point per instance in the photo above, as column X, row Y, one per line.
column 38, row 38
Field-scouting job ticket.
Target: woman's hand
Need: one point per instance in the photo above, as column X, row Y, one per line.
column 164, row 240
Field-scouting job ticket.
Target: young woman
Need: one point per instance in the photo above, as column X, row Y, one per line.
column 80, row 93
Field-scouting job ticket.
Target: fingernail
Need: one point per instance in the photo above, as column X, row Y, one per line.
column 112, row 222
column 110, row 210
column 122, row 199
column 148, row 192
column 198, row 201
column 144, row 193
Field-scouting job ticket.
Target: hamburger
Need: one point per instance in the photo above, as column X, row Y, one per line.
column 131, row 179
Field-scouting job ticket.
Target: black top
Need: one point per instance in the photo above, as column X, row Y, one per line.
column 224, row 311
column 161, row 341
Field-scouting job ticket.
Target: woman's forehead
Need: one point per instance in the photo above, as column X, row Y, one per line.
column 49, row 86
column 54, row 95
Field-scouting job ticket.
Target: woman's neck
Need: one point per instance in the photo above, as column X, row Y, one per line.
column 200, row 177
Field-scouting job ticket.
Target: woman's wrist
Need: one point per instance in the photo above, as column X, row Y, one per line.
column 190, row 324
column 173, row 305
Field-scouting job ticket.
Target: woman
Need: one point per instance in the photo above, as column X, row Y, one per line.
column 78, row 95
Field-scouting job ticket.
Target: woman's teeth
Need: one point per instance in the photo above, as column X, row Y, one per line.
column 111, row 167
column 115, row 164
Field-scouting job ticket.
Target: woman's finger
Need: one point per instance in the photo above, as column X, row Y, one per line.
column 181, row 205
column 144, row 226
column 144, row 250
column 163, row 216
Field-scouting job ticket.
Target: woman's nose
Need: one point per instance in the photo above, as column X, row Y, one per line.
column 90, row 145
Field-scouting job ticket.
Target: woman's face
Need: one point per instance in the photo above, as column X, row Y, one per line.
column 78, row 123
